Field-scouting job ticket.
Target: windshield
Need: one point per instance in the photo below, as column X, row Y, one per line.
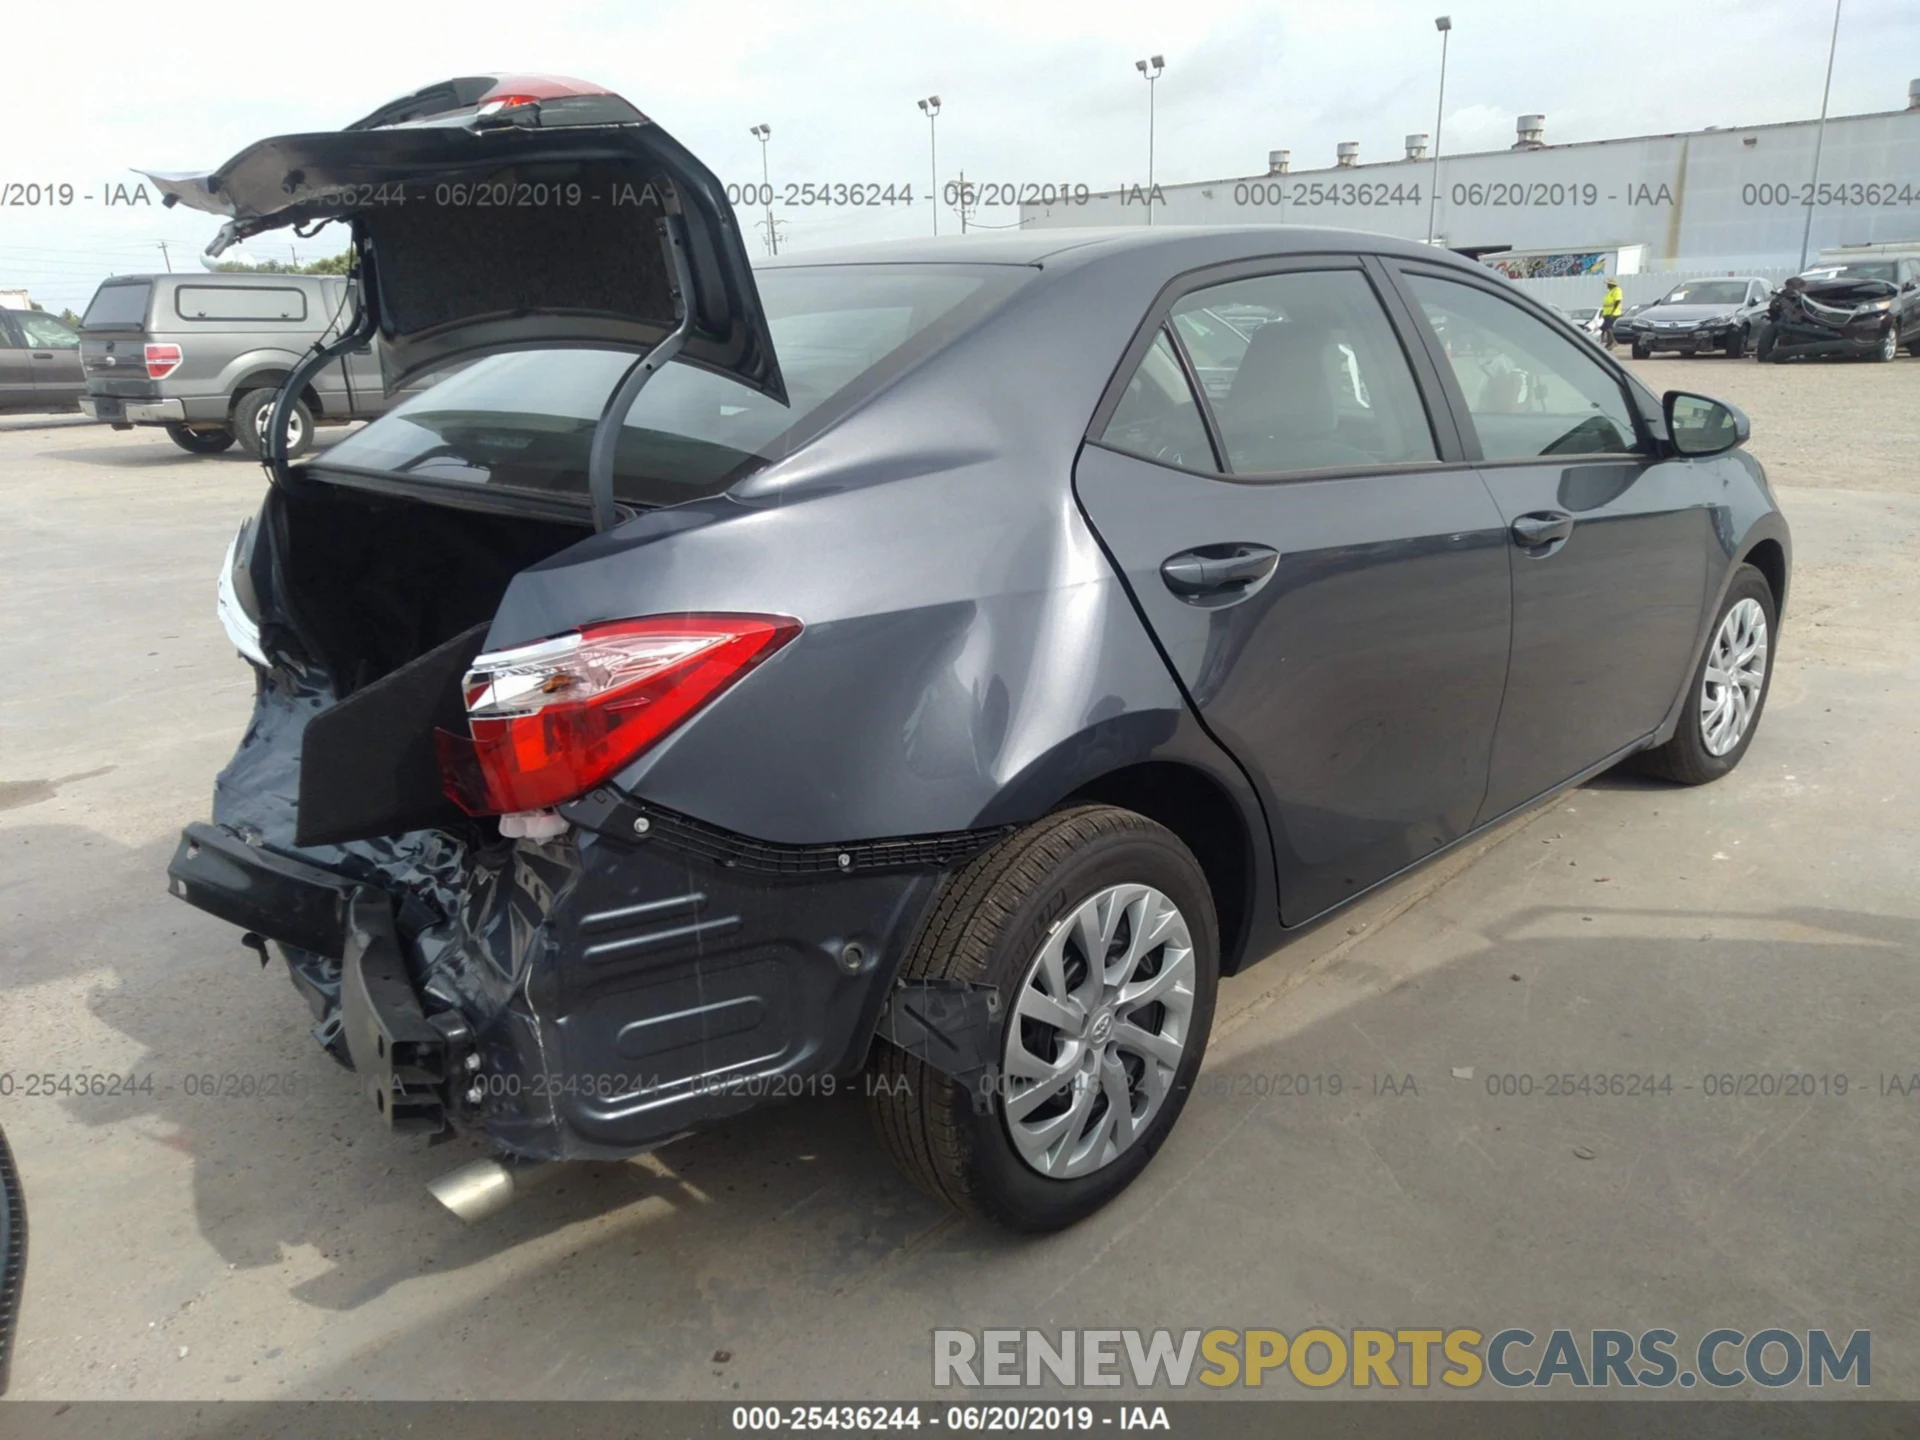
column 1867, row 270
column 523, row 422
column 1708, row 292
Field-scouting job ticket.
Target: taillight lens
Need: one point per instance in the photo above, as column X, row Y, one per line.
column 550, row 721
column 162, row 361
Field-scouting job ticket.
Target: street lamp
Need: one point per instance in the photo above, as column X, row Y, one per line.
column 763, row 133
column 930, row 107
column 1444, row 24
column 1159, row 63
column 1820, row 138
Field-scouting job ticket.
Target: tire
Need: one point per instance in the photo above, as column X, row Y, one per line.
column 1889, row 347
column 200, row 442
column 1764, row 348
column 1913, row 348
column 994, row 923
column 1689, row 758
column 1640, row 351
column 1736, row 346
column 250, row 423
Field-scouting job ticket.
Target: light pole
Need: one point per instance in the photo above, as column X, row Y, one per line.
column 1820, row 138
column 1159, row 63
column 1444, row 24
column 930, row 107
column 763, row 133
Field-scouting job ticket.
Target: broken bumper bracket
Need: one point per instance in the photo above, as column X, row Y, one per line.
column 260, row 891
column 954, row 1027
column 401, row 1056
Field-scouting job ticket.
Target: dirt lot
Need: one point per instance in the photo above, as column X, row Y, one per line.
column 190, row 1246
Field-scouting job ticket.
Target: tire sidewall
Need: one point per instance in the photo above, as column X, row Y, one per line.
column 1749, row 584
column 1015, row 1194
column 247, row 424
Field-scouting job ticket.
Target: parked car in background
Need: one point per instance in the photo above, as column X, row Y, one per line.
column 1698, row 317
column 1866, row 309
column 39, row 362
column 202, row 355
column 588, row 801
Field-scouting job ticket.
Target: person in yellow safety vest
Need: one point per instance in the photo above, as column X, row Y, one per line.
column 1610, row 310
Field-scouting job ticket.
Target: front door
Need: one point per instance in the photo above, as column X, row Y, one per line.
column 1608, row 545
column 1324, row 575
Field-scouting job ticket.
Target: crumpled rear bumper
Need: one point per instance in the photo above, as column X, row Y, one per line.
column 592, row 996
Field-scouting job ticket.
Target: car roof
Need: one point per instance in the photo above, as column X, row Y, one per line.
column 1077, row 244
column 216, row 277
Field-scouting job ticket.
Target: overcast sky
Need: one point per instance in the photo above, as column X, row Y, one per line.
column 1032, row 90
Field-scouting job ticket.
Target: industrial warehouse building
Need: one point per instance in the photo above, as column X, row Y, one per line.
column 1719, row 200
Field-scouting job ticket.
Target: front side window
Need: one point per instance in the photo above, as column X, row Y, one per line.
column 1158, row 417
column 1304, row 373
column 1530, row 390
column 46, row 333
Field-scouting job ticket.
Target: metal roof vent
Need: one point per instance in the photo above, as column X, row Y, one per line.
column 1533, row 130
column 1279, row 161
column 1913, row 94
column 1346, row 154
column 1416, row 147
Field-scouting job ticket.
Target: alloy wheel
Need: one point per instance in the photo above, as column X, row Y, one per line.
column 1889, row 345
column 1099, row 1026
column 295, row 430
column 1735, row 675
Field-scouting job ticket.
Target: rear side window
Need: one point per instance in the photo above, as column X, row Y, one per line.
column 1530, row 390
column 239, row 302
column 118, row 307
column 1303, row 372
column 1158, row 417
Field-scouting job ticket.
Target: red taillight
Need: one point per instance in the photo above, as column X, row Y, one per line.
column 494, row 104
column 162, row 361
column 550, row 721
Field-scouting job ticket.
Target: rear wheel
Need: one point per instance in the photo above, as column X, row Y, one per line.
column 200, row 442
column 250, row 418
column 1728, row 688
column 1096, row 927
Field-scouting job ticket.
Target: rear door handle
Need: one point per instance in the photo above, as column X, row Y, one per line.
column 1233, row 569
column 1542, row 527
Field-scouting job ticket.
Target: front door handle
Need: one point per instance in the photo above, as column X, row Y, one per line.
column 1542, row 527
column 1234, row 569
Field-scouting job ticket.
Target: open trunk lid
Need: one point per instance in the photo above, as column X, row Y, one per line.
column 510, row 212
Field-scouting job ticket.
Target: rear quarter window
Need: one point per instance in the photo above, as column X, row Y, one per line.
column 240, row 302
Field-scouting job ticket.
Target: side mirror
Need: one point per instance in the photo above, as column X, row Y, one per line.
column 1699, row 426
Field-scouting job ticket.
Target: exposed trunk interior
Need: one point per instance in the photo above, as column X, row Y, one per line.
column 393, row 598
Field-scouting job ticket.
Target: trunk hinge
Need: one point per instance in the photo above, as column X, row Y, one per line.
column 606, row 434
column 365, row 321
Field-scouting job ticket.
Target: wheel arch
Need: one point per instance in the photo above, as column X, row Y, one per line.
column 1203, row 815
column 270, row 378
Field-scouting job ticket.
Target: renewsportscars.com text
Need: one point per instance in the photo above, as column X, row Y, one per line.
column 1417, row 1359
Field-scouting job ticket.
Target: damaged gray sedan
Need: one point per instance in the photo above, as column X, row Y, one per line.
column 898, row 661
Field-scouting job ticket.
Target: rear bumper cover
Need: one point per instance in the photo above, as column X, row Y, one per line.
column 115, row 410
column 593, row 996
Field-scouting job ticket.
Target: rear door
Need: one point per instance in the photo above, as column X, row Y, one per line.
column 1607, row 543
column 54, row 351
column 1323, row 572
column 16, row 368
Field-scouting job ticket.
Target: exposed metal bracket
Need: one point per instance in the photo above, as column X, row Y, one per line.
column 606, row 434
column 954, row 1027
column 365, row 322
